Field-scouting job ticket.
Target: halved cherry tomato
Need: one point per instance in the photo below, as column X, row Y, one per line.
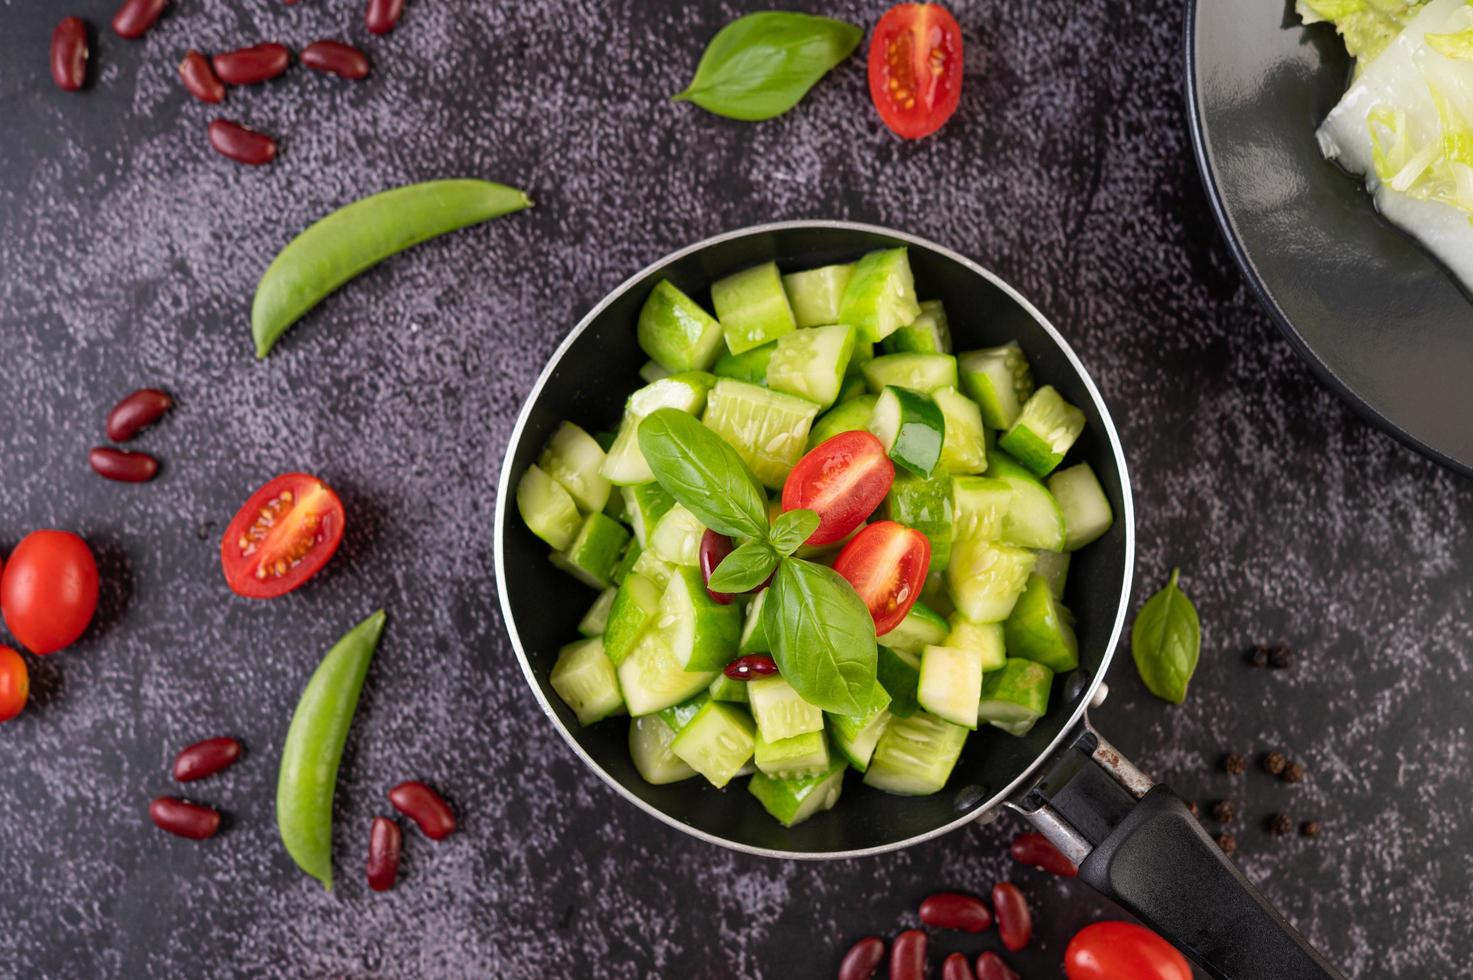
column 49, row 590
column 282, row 536
column 843, row 480
column 886, row 563
column 15, row 683
column 1107, row 950
column 915, row 68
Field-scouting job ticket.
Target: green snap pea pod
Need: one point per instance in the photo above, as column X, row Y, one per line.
column 361, row 235
column 314, row 747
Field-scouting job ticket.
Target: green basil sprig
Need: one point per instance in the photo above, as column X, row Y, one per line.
column 1166, row 641
column 791, row 529
column 761, row 65
column 822, row 635
column 703, row 473
column 745, row 568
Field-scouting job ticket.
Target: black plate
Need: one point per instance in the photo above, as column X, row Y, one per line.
column 1380, row 320
column 587, row 381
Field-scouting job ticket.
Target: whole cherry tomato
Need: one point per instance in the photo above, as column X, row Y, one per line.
column 49, row 590
column 1110, row 950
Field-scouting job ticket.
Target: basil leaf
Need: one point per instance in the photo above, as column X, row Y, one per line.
column 760, row 65
column 1166, row 641
column 744, row 569
column 791, row 529
column 698, row 469
column 822, row 636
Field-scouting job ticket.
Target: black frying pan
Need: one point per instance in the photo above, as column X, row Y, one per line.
column 1135, row 842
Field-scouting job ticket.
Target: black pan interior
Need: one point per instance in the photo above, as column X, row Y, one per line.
column 588, row 385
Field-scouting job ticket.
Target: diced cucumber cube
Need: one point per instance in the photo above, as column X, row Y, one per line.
column 652, row 679
column 853, row 387
column 752, row 307
column 653, row 567
column 1033, row 518
column 789, row 758
column 928, row 333
column 1016, row 696
column 847, row 416
column 910, row 427
column 547, row 508
column 624, row 464
column 768, row 429
column 594, row 552
column 1041, row 629
column 677, row 538
column 644, row 505
column 1082, row 501
column 723, row 688
column 815, row 295
column 792, row 801
column 1044, row 431
column 702, row 633
column 999, row 380
column 981, row 506
column 573, row 458
column 927, row 506
column 676, row 332
column 717, row 742
column 864, row 352
column 918, row 372
column 899, row 673
column 748, row 366
column 677, row 715
column 1053, row 568
column 615, row 507
column 754, row 632
column 649, row 744
column 627, row 561
column 779, row 711
column 810, row 363
column 986, row 578
column 984, row 639
column 855, row 738
column 596, row 620
column 584, row 678
column 934, row 593
column 964, row 449
column 633, row 612
column 652, row 371
column 921, row 626
column 951, row 684
column 880, row 295
column 915, row 755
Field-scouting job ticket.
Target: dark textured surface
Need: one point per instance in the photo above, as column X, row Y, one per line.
column 128, row 252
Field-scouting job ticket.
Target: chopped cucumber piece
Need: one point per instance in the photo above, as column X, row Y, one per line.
column 1041, row 629
column 596, row 619
column 927, row 506
column 633, row 612
column 723, row 688
column 983, row 639
column 701, row 631
column 754, row 633
column 919, row 372
column 1016, row 696
column 815, row 295
column 881, row 295
column 910, row 427
column 856, row 737
column 676, row 716
column 717, row 742
column 1053, row 568
column 999, row 380
column 653, row 567
column 592, row 555
column 649, row 744
column 964, row 449
column 899, row 673
column 644, row 505
column 921, row 626
column 676, row 332
column 1033, row 518
column 627, row 561
column 1083, row 503
column 864, row 352
column 928, row 333
column 792, row 801
column 748, row 365
column 847, row 416
column 789, row 758
column 935, row 594
column 915, row 755
column 768, row 429
column 779, row 711
column 584, row 678
column 677, row 538
column 573, row 458
column 986, row 578
column 853, row 387
column 547, row 508
column 810, row 363
column 614, row 507
column 624, row 464
column 652, row 371
column 981, row 505
column 652, row 679
column 951, row 684
column 1044, row 431
column 752, row 307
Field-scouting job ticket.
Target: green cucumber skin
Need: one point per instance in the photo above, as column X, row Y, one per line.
column 750, row 366
column 1020, row 690
column 899, row 678
column 752, row 307
column 926, row 505
column 1041, row 629
column 547, row 508
column 785, row 799
column 676, row 332
column 815, row 294
column 582, row 659
column 880, row 295
column 847, row 416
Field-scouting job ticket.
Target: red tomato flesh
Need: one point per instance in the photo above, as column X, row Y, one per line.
column 15, row 683
column 1108, row 950
column 49, row 590
column 843, row 480
column 915, row 68
column 282, row 536
column 886, row 563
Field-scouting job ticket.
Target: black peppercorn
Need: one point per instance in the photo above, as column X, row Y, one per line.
column 1280, row 824
column 1235, row 764
column 1280, row 658
column 1227, row 842
column 1310, row 828
column 1274, row 763
column 1223, row 812
column 1293, row 773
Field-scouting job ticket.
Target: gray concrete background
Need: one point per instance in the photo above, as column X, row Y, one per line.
column 128, row 254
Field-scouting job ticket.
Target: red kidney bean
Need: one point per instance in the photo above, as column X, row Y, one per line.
column 714, row 549
column 336, row 58
column 247, row 66
column 199, row 78
column 956, row 967
column 138, row 410
column 1014, row 923
column 205, row 758
column 240, row 144
column 751, row 667
column 953, row 910
column 991, row 967
column 184, row 819
column 425, row 807
column 863, row 959
column 382, row 15
column 908, row 956
column 1039, row 851
column 69, row 53
column 123, row 466
column 135, row 17
column 385, row 843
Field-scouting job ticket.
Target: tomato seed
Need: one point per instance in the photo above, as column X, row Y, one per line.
column 425, row 807
column 1014, row 923
column 184, row 819
column 248, row 66
column 908, row 956
column 199, row 78
column 382, row 15
column 206, row 758
column 385, row 844
column 750, row 667
column 231, row 139
column 142, row 408
column 123, row 466
column 336, row 58
column 69, row 54
column 991, row 967
column 135, row 17
column 1039, row 851
column 953, row 910
column 956, row 967
column 863, row 959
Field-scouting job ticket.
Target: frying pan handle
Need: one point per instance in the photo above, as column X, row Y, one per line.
column 1138, row 844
